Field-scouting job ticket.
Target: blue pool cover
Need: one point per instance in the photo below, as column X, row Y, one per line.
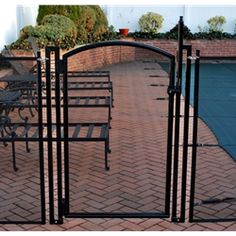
column 217, row 102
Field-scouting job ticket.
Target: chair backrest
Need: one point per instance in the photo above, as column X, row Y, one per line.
column 35, row 48
column 16, row 65
column 33, row 45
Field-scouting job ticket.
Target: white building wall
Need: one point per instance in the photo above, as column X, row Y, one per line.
column 198, row 15
column 12, row 19
column 194, row 15
column 8, row 25
column 127, row 16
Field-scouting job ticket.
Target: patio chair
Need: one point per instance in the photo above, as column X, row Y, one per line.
column 8, row 101
column 9, row 134
column 24, row 81
column 18, row 94
column 4, row 122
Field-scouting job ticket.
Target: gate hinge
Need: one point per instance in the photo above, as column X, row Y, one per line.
column 171, row 90
column 193, row 58
column 41, row 59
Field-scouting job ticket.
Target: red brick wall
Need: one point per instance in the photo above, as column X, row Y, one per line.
column 209, row 48
column 100, row 57
column 216, row 48
column 166, row 45
column 109, row 55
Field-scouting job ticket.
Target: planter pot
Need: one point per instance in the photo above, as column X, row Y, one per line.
column 124, row 31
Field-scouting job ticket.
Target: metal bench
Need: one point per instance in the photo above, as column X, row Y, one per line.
column 91, row 84
column 29, row 132
column 94, row 84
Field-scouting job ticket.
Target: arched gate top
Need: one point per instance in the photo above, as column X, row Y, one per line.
column 118, row 43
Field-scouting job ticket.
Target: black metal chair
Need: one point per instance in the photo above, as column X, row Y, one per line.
column 9, row 100
column 24, row 81
column 18, row 94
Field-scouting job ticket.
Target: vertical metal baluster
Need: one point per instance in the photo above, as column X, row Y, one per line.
column 170, row 135
column 177, row 119
column 49, row 136
column 195, row 133
column 186, row 133
column 40, row 137
column 58, row 133
column 66, row 131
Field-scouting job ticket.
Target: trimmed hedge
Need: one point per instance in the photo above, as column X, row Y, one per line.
column 173, row 34
column 90, row 21
column 55, row 30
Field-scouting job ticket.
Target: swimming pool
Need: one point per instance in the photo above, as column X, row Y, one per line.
column 217, row 102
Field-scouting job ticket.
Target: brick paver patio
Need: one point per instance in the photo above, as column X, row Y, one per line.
column 136, row 180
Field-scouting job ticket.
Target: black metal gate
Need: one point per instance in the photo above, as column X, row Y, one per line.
column 68, row 133
column 206, row 170
column 62, row 132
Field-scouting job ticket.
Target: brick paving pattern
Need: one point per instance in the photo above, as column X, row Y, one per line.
column 136, row 180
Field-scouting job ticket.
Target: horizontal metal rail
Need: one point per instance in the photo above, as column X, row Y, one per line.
column 26, row 129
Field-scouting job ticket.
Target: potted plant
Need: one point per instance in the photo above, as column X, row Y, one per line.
column 151, row 22
column 124, row 31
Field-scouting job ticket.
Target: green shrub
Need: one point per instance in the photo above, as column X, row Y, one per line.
column 101, row 24
column 21, row 44
column 26, row 31
column 215, row 23
column 173, row 33
column 90, row 21
column 111, row 34
column 150, row 22
column 213, row 35
column 55, row 30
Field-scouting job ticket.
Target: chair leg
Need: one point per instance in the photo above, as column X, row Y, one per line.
column 112, row 99
column 109, row 117
column 26, row 135
column 108, row 144
column 27, row 144
column 31, row 111
column 14, row 156
column 4, row 143
column 106, row 155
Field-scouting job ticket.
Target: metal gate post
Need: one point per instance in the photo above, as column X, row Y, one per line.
column 40, row 133
column 49, row 137
column 171, row 92
column 194, row 135
column 58, row 134
column 177, row 119
column 66, row 135
column 186, row 132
